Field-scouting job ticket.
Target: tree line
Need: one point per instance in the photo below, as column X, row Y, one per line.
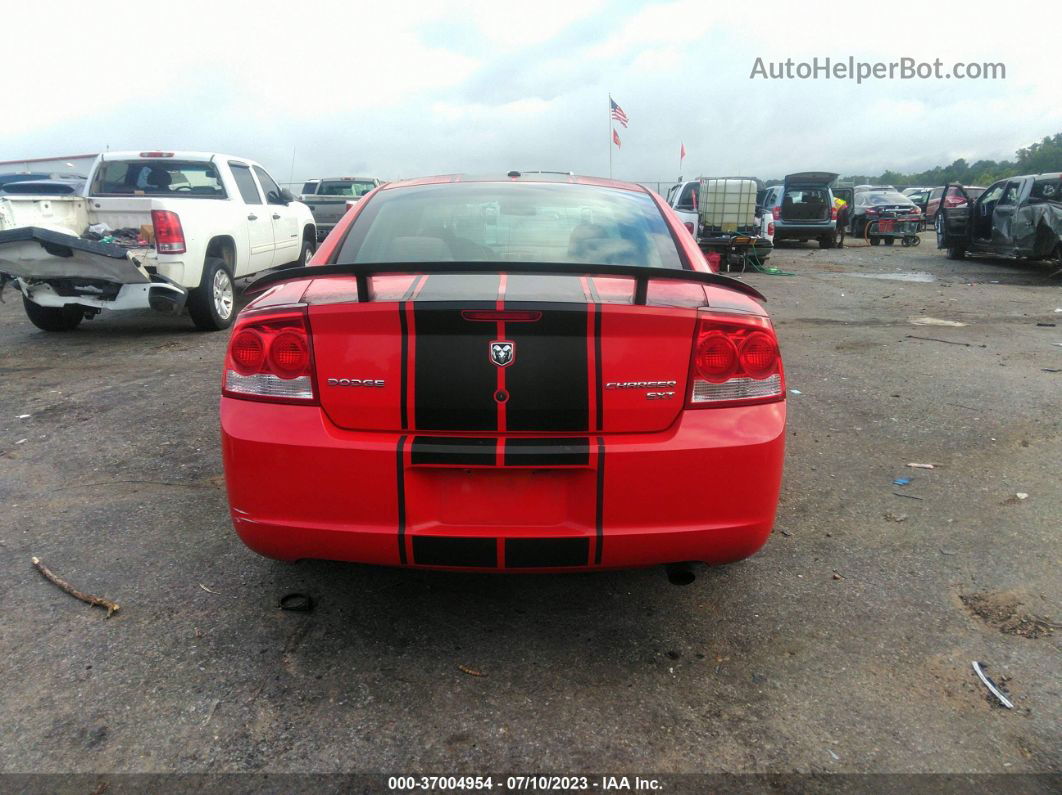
column 1038, row 158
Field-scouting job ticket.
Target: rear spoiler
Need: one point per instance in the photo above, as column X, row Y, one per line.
column 363, row 272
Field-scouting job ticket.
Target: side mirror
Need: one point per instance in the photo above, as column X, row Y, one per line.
column 286, row 196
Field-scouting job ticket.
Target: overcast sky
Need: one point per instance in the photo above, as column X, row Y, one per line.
column 404, row 89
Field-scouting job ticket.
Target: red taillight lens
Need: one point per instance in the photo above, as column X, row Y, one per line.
column 689, row 227
column 717, row 358
column 833, row 213
column 735, row 362
column 169, row 235
column 270, row 358
column 289, row 354
column 770, row 228
column 248, row 352
column 759, row 355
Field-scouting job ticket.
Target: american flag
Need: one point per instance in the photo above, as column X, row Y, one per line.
column 617, row 112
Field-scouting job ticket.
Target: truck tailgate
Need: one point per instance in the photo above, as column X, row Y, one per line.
column 30, row 252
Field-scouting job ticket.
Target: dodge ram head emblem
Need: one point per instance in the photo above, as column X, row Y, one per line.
column 502, row 352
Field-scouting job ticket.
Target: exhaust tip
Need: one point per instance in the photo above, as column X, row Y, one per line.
column 679, row 573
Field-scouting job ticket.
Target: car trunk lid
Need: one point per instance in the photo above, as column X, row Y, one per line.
column 503, row 354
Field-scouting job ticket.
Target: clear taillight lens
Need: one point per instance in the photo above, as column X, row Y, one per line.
column 270, row 358
column 735, row 361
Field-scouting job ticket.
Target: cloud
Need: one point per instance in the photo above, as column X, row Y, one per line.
column 472, row 85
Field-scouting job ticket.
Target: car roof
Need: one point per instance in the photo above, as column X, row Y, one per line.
column 528, row 177
column 174, row 154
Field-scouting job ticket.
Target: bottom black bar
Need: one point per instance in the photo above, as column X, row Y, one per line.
column 441, row 551
column 527, row 553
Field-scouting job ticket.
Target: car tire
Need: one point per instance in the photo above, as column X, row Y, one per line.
column 53, row 318
column 828, row 241
column 212, row 304
column 956, row 252
column 875, row 241
column 308, row 247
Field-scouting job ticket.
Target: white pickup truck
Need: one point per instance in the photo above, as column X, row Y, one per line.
column 165, row 230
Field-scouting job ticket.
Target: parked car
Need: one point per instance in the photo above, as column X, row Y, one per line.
column 721, row 213
column 952, row 197
column 1016, row 217
column 36, row 176
column 45, row 187
column 803, row 208
column 160, row 230
column 880, row 204
column 328, row 199
column 529, row 373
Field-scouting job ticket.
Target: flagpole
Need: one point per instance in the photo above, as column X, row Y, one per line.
column 610, row 135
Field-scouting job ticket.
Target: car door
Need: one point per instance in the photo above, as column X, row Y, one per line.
column 286, row 235
column 847, row 195
column 1002, row 236
column 952, row 223
column 259, row 224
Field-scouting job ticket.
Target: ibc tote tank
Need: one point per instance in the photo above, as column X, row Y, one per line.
column 728, row 205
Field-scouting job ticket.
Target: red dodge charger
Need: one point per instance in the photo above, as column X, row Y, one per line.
column 527, row 373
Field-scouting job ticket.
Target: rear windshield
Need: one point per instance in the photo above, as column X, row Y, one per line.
column 883, row 197
column 174, row 178
column 345, row 188
column 511, row 222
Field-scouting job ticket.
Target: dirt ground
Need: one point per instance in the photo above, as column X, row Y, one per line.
column 845, row 645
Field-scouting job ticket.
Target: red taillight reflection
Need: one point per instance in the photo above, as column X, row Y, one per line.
column 759, row 355
column 717, row 358
column 248, row 352
column 735, row 362
column 288, row 354
column 169, row 235
column 270, row 357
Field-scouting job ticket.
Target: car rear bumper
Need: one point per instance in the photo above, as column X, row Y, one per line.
column 799, row 231
column 704, row 490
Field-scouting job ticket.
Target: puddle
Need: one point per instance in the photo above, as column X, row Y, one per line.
column 908, row 276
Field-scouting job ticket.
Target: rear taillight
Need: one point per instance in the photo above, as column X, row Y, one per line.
column 770, row 228
column 689, row 227
column 735, row 362
column 833, row 213
column 776, row 212
column 169, row 236
column 270, row 358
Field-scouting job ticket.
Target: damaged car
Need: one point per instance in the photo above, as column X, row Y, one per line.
column 1019, row 217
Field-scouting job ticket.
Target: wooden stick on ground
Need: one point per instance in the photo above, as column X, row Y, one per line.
column 112, row 607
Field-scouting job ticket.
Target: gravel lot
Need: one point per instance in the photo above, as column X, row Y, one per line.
column 844, row 646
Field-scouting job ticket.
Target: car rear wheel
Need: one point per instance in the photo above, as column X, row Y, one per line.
column 212, row 304
column 956, row 252
column 53, row 318
column 828, row 241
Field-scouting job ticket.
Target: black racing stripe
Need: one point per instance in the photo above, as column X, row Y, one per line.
column 547, row 452
column 404, row 397
column 442, row 551
column 547, row 381
column 455, row 379
column 401, row 488
column 599, row 403
column 600, row 518
column 526, row 553
column 525, row 287
column 456, row 450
